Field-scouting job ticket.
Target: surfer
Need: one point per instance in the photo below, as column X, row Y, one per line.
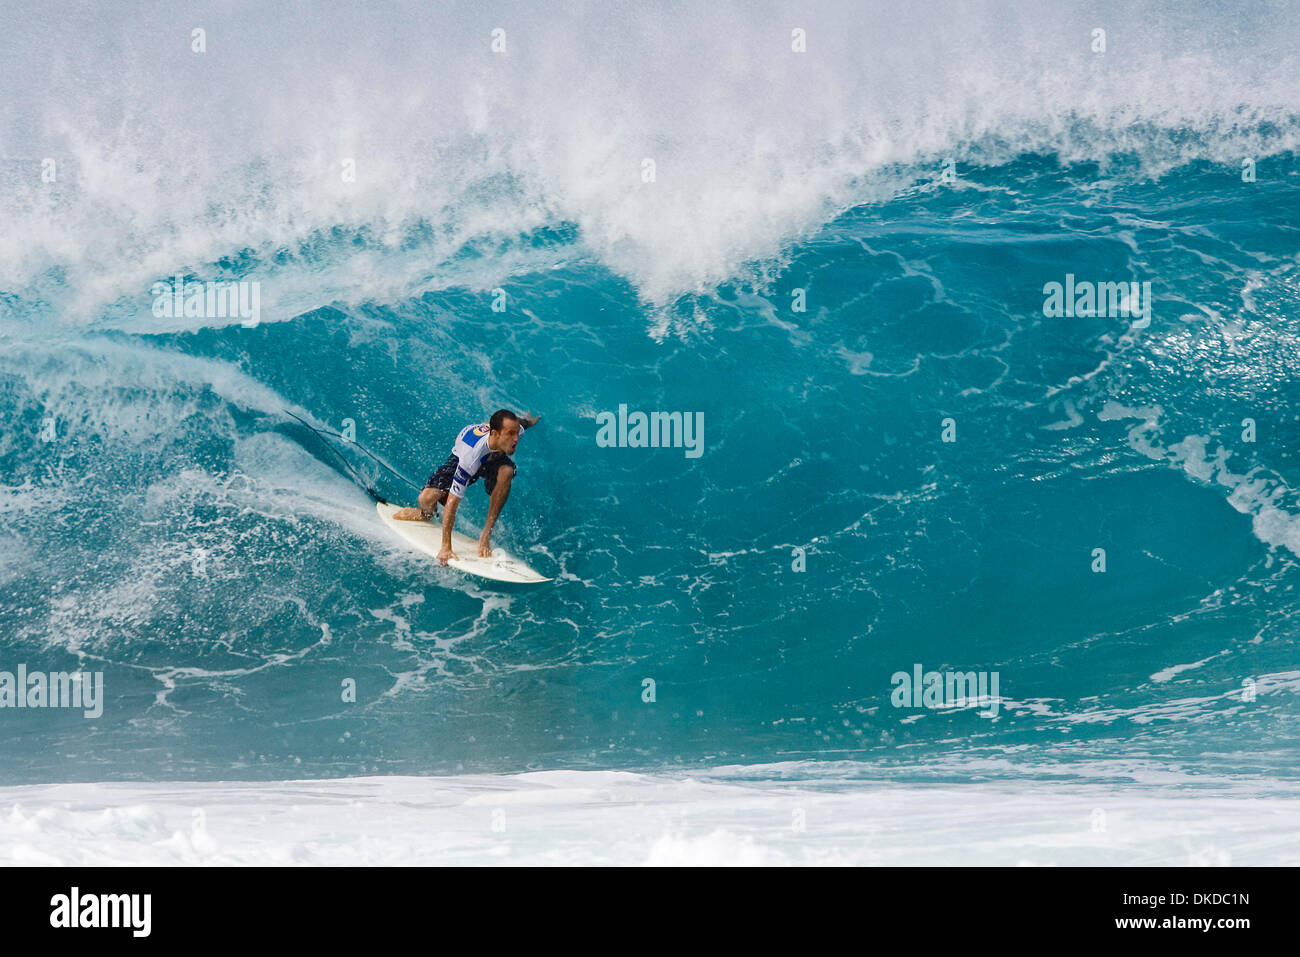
column 480, row 451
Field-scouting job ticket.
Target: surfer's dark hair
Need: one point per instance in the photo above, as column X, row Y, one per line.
column 499, row 417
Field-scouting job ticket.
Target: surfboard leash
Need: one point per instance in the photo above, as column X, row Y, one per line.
column 351, row 471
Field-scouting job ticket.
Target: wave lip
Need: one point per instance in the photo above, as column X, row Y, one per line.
column 687, row 150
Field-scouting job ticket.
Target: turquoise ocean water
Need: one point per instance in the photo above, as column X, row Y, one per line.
column 798, row 269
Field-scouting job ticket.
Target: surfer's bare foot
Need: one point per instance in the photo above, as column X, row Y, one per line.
column 430, row 498
column 484, row 550
column 446, row 555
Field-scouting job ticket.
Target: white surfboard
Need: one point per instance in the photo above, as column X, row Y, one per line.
column 427, row 537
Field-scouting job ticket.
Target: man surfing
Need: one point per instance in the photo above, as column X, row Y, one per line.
column 480, row 451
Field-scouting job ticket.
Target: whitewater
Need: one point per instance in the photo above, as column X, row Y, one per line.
column 836, row 239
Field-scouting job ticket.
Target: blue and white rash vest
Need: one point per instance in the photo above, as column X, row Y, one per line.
column 470, row 449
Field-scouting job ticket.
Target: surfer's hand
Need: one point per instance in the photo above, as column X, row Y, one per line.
column 528, row 421
column 446, row 555
column 484, row 550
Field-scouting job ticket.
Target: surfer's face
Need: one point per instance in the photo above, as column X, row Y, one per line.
column 507, row 436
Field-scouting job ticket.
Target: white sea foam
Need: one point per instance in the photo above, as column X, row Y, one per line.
column 112, row 389
column 1257, row 493
column 171, row 159
column 768, row 815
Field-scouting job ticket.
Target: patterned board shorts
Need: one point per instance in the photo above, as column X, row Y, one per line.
column 487, row 472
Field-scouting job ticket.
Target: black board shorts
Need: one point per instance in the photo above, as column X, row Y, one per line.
column 443, row 475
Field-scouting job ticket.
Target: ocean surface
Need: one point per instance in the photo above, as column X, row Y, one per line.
column 837, row 256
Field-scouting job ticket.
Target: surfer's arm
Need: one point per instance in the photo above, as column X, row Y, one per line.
column 498, row 498
column 448, row 523
column 528, row 421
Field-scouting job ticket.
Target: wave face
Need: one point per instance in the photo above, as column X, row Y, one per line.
column 799, row 269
